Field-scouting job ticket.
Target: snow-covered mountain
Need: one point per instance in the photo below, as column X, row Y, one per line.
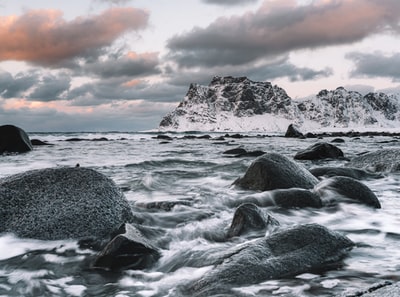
column 241, row 105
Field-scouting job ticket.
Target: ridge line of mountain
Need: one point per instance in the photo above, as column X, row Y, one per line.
column 242, row 105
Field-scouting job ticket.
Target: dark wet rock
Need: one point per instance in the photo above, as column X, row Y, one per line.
column 235, row 151
column 235, row 136
column 296, row 198
column 14, row 140
column 130, row 250
column 248, row 217
column 311, row 135
column 339, row 187
column 250, row 154
column 163, row 137
column 273, row 171
column 320, row 150
column 343, row 171
column 61, row 203
column 293, row 132
column 384, row 160
column 206, row 136
column 338, row 140
column 100, row 139
column 300, row 249
column 38, row 142
column 74, row 139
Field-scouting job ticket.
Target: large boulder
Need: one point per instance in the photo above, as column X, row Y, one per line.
column 346, row 188
column 14, row 140
column 129, row 250
column 61, row 203
column 297, row 250
column 273, row 171
column 320, row 150
column 384, row 160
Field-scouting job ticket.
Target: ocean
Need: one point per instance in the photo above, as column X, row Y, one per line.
column 193, row 169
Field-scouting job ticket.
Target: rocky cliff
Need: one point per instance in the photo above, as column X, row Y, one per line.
column 239, row 104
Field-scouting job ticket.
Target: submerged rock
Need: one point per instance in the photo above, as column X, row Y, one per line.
column 343, row 171
column 285, row 198
column 339, row 187
column 273, row 171
column 384, row 160
column 296, row 198
column 296, row 250
column 61, row 203
column 248, row 217
column 130, row 250
column 14, row 140
column 320, row 150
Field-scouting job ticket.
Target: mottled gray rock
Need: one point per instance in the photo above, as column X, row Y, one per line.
column 384, row 160
column 296, row 198
column 343, row 171
column 320, row 150
column 287, row 253
column 273, row 171
column 129, row 250
column 339, row 187
column 14, row 140
column 382, row 289
column 61, row 203
column 248, row 217
column 385, row 291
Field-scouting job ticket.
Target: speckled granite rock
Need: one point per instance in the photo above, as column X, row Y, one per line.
column 61, row 203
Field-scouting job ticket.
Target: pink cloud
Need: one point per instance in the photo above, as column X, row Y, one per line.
column 44, row 37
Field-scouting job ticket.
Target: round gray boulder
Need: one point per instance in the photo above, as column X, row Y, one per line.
column 320, row 150
column 61, row 203
column 345, row 188
column 384, row 160
column 273, row 171
column 290, row 252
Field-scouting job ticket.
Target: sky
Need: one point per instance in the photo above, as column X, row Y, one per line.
column 121, row 65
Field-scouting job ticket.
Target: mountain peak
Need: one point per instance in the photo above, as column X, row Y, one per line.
column 240, row 104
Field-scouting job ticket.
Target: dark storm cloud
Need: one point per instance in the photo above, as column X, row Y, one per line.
column 267, row 71
column 130, row 65
column 14, row 86
column 274, row 30
column 376, row 65
column 50, row 88
column 228, row 2
column 44, row 38
column 108, row 90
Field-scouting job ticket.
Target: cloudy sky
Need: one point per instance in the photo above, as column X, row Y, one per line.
column 106, row 65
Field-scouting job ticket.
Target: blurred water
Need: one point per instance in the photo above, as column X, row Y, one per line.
column 195, row 170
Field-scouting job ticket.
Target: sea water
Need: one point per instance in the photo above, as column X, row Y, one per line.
column 195, row 170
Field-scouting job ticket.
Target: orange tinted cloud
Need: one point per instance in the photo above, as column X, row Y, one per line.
column 44, row 37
